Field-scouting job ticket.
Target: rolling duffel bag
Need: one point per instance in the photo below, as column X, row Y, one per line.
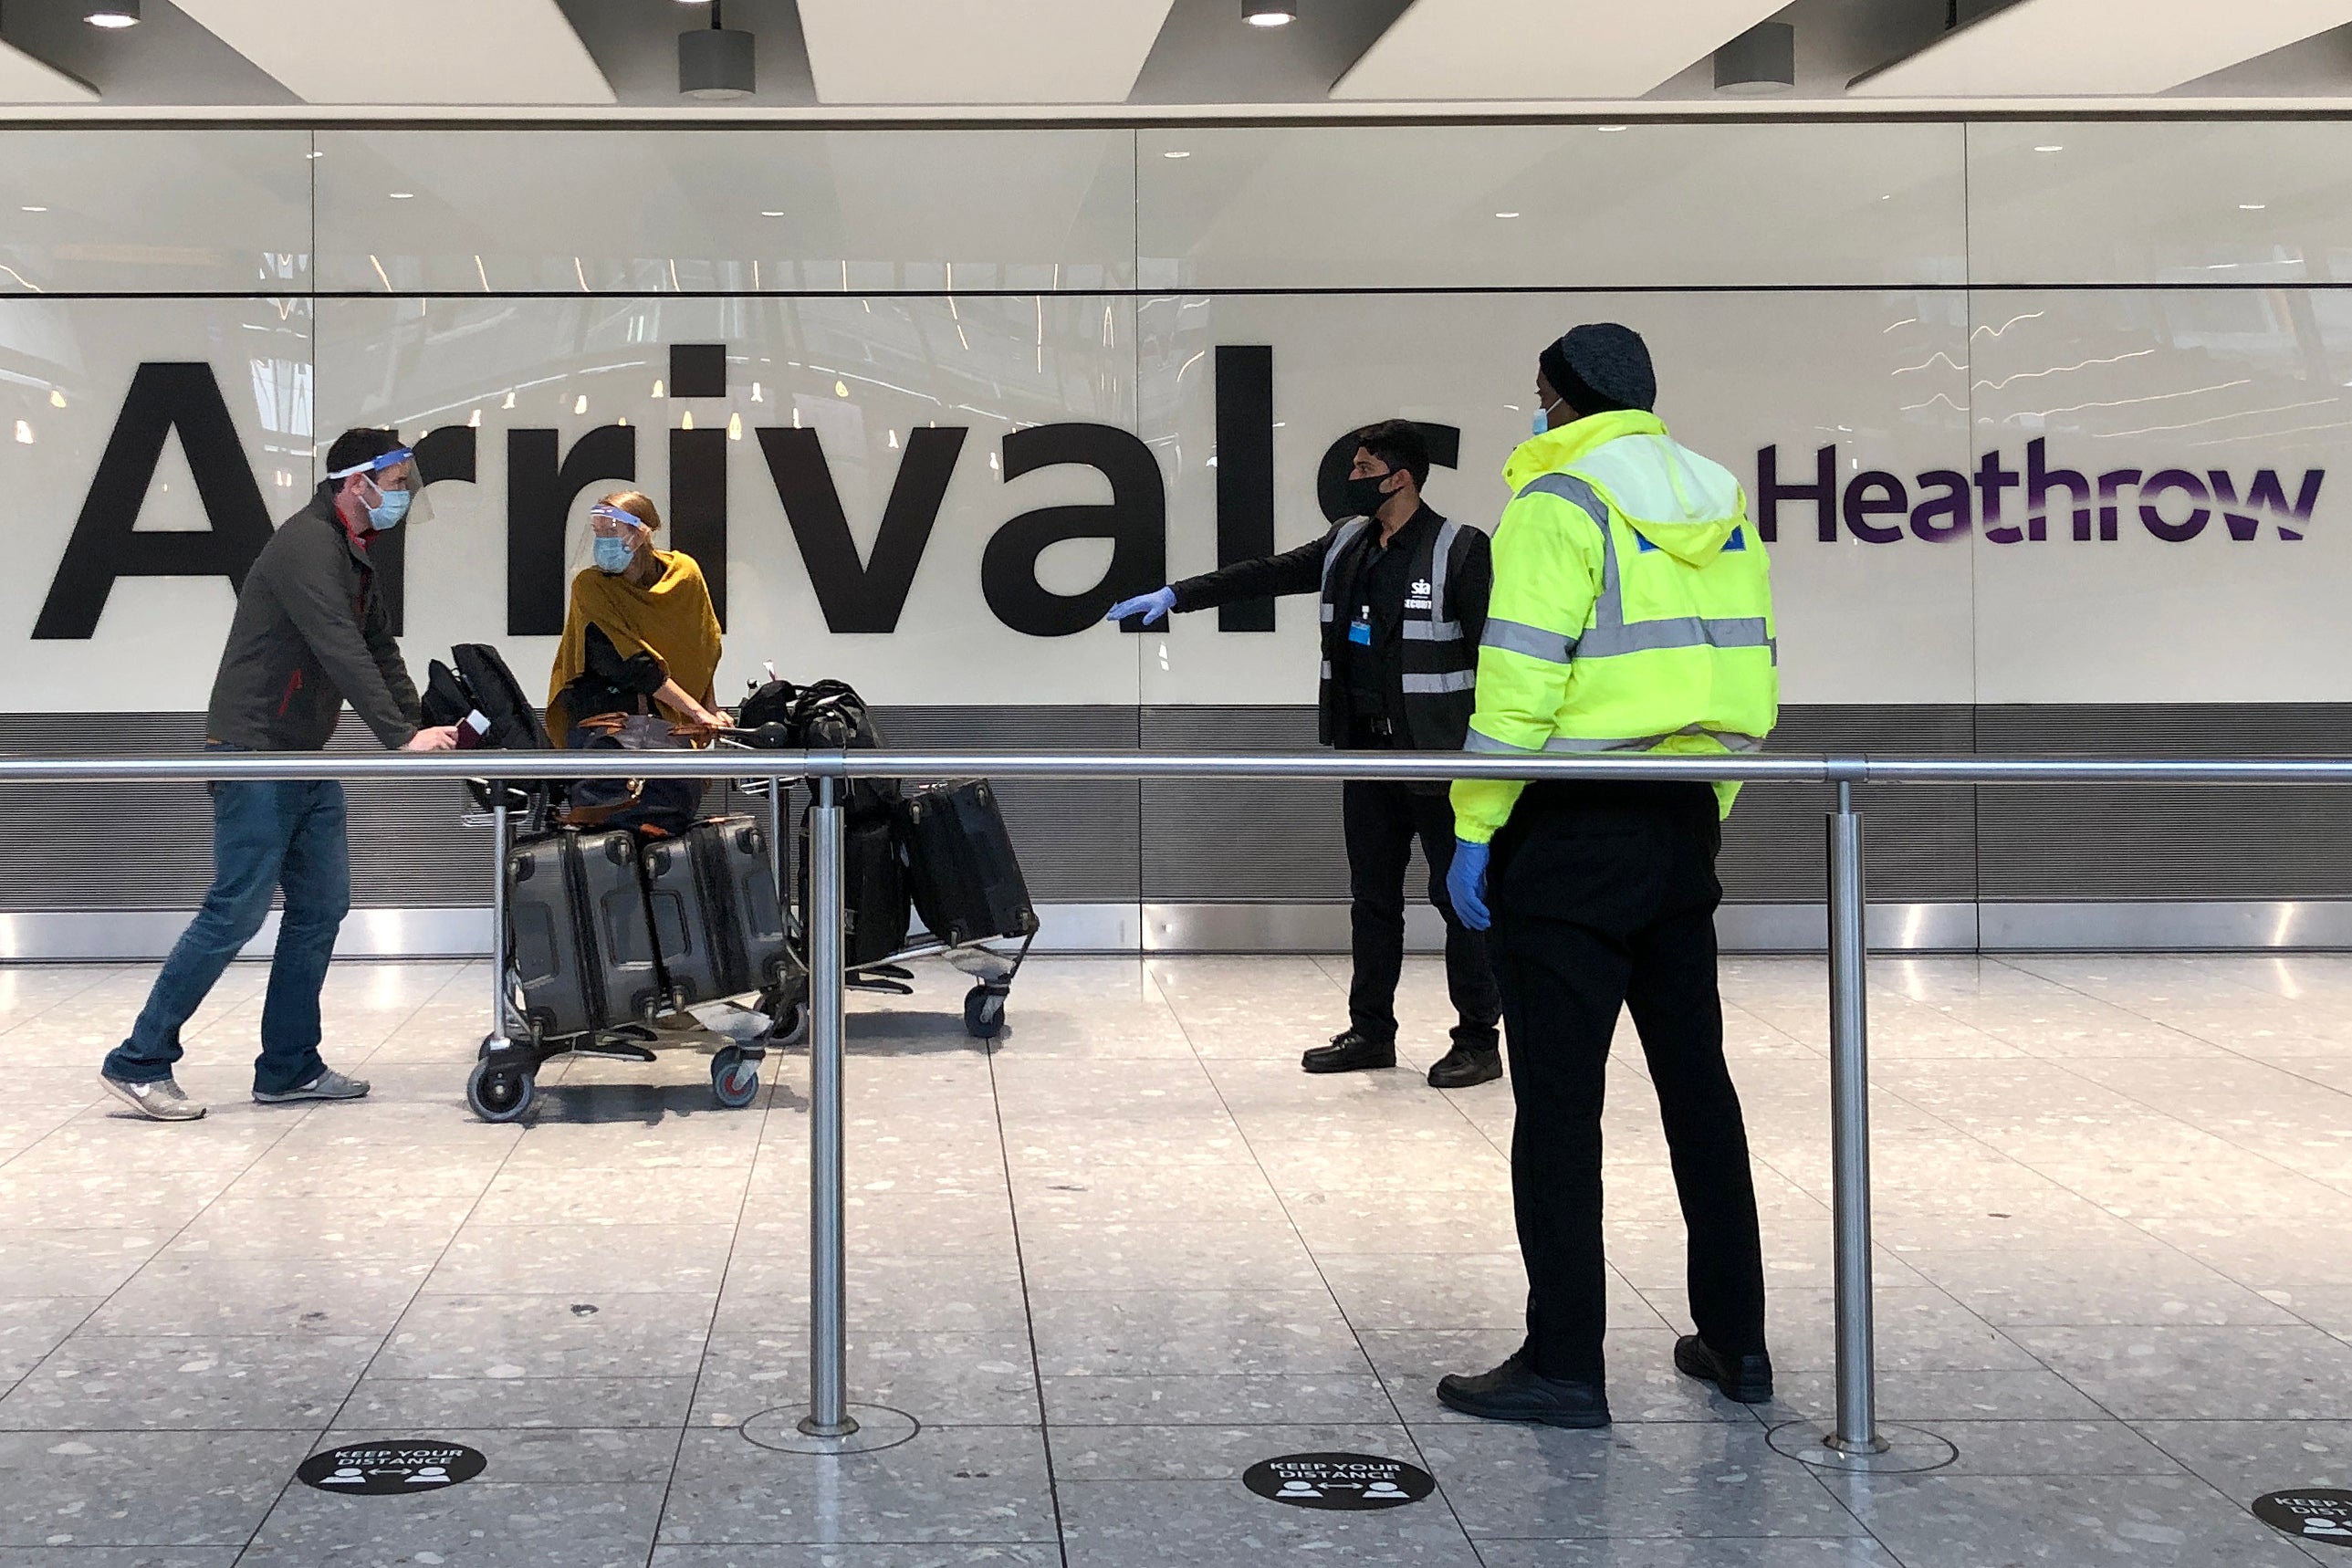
column 716, row 922
column 964, row 877
column 580, row 942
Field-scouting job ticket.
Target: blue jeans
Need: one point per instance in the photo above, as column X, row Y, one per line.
column 265, row 835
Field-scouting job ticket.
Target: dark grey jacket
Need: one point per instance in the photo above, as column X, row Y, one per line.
column 311, row 633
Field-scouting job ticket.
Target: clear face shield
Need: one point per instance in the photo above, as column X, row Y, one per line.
column 391, row 488
column 615, row 538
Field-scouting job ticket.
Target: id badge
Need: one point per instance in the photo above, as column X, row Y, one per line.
column 1360, row 634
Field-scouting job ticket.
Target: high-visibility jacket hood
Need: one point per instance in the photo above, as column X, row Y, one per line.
column 1686, row 505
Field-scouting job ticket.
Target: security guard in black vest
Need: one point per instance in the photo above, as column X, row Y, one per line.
column 1404, row 605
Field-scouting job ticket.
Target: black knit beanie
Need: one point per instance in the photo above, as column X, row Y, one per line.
column 1600, row 367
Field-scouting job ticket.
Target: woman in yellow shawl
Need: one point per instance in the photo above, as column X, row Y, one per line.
column 646, row 601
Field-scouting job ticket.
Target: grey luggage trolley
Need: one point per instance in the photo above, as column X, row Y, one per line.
column 503, row 1083
column 991, row 969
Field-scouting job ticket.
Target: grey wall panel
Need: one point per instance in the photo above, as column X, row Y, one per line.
column 1207, row 841
column 2119, row 843
column 1077, row 838
column 116, row 846
column 1922, row 839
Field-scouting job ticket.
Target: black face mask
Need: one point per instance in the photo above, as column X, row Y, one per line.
column 1365, row 496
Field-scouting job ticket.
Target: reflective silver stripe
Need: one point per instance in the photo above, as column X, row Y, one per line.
column 1512, row 637
column 1572, row 489
column 1681, row 631
column 1430, row 631
column 1487, row 743
column 1339, row 542
column 1326, row 670
column 1439, row 629
column 1452, row 681
column 1327, row 612
column 1731, row 740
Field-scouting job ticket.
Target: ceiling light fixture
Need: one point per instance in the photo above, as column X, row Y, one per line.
column 1759, row 62
column 115, row 14
column 33, row 209
column 2254, row 207
column 1175, row 155
column 1506, row 214
column 2051, row 147
column 1270, row 13
column 403, row 195
column 1612, row 129
column 717, row 61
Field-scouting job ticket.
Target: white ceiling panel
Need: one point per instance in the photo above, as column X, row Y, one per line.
column 24, row 79
column 2073, row 48
column 1524, row 49
column 979, row 51
column 419, row 51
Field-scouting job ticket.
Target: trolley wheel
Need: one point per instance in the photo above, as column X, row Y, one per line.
column 500, row 1094
column 734, row 1079
column 983, row 1012
column 791, row 1021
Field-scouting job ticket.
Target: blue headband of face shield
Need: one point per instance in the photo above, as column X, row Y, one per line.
column 615, row 550
column 392, row 504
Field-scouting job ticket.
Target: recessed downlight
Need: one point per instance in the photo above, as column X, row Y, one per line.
column 112, row 14
column 1270, row 13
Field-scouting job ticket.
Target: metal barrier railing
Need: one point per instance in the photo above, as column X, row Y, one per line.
column 1855, row 1431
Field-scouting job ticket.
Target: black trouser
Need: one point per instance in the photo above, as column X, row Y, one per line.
column 1605, row 896
column 1383, row 820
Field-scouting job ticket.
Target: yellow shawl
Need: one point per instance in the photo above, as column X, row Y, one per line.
column 672, row 620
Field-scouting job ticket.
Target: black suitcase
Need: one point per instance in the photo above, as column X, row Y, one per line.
column 873, row 889
column 716, row 920
column 960, row 868
column 582, row 946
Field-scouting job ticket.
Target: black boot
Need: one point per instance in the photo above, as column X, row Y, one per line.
column 1516, row 1391
column 1466, row 1065
column 1746, row 1381
column 1350, row 1052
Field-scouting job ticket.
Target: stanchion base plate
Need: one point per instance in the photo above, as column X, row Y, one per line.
column 1908, row 1452
column 878, row 1427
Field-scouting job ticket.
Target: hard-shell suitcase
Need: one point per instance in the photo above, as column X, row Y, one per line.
column 873, row 889
column 960, row 868
column 716, row 919
column 582, row 946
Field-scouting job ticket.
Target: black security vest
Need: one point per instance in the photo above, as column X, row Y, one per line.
column 1440, row 662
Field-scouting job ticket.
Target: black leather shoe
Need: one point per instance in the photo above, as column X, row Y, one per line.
column 1517, row 1392
column 1466, row 1065
column 1749, row 1381
column 1350, row 1052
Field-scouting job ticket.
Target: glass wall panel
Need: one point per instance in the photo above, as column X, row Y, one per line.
column 2245, row 202
column 154, row 212
column 1533, row 207
column 644, row 212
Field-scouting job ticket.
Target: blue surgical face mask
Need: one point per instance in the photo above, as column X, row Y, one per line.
column 614, row 556
column 1543, row 416
column 389, row 510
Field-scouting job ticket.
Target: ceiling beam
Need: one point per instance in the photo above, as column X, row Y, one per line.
column 1520, row 50
column 418, row 52
column 24, row 79
column 1007, row 51
column 2076, row 48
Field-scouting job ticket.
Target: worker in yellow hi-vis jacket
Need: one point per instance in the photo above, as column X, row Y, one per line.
column 1631, row 612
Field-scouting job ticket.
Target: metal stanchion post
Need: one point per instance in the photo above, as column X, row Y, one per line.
column 828, row 1413
column 776, row 836
column 1856, row 1431
column 500, row 831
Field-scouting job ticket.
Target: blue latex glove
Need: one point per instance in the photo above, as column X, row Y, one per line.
column 1153, row 606
column 1465, row 884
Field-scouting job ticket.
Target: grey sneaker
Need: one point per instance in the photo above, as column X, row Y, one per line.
column 328, row 1085
column 158, row 1101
